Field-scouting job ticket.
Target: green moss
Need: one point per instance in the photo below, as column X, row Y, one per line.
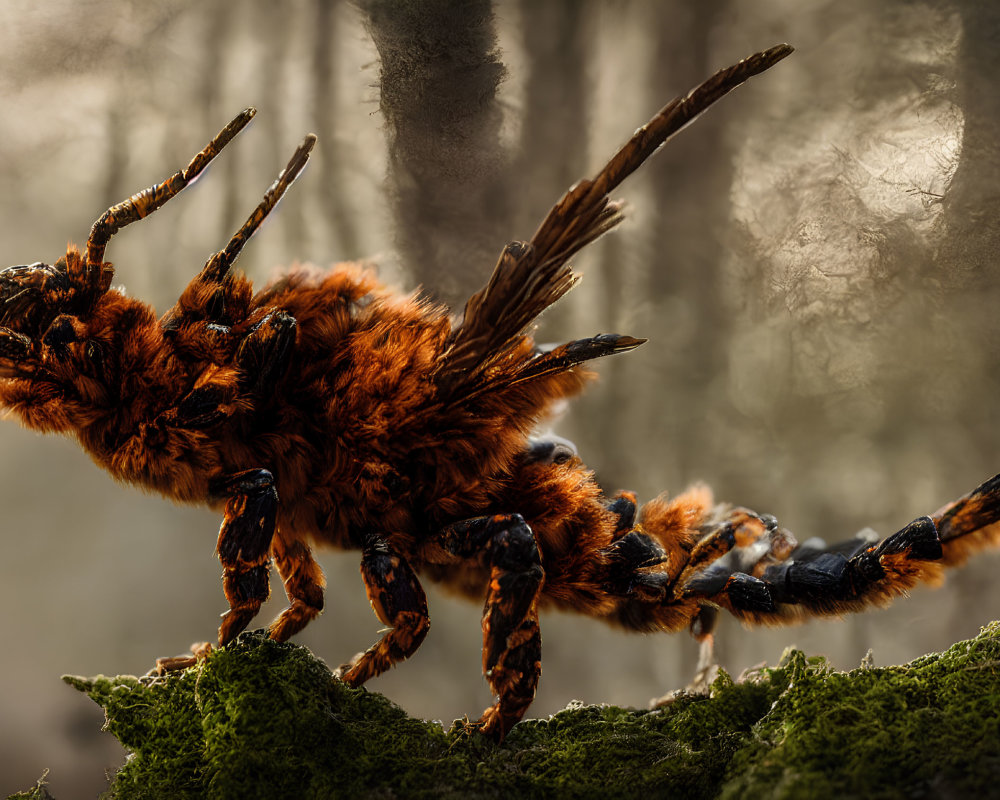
column 37, row 792
column 258, row 719
column 263, row 719
column 930, row 728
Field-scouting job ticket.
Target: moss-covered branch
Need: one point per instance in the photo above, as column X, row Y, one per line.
column 263, row 719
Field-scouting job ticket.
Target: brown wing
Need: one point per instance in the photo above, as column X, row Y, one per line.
column 531, row 276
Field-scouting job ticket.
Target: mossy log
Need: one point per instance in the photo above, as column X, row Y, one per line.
column 264, row 719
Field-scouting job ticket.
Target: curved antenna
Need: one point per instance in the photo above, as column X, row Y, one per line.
column 193, row 303
column 144, row 203
column 219, row 264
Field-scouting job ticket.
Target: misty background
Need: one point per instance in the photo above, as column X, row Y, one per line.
column 813, row 262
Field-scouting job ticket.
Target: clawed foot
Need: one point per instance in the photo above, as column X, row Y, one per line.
column 466, row 729
column 701, row 685
column 704, row 676
column 199, row 652
column 346, row 667
column 703, row 679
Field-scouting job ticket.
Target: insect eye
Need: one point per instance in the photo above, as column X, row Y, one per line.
column 551, row 450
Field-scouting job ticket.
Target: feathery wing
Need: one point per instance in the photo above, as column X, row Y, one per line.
column 530, row 276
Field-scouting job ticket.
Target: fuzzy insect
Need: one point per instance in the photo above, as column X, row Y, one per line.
column 324, row 410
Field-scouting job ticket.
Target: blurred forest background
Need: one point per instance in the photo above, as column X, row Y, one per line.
column 814, row 263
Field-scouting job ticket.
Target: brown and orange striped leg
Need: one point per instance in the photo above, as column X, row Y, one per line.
column 512, row 656
column 244, row 546
column 758, row 538
column 398, row 601
column 512, row 641
column 971, row 523
column 304, row 583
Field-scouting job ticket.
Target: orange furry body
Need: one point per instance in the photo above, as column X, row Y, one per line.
column 355, row 434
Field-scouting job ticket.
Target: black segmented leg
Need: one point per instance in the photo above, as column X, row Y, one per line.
column 398, row 601
column 512, row 642
column 825, row 580
column 848, row 576
column 629, row 559
column 633, row 554
column 264, row 353
column 244, row 546
column 60, row 334
column 20, row 355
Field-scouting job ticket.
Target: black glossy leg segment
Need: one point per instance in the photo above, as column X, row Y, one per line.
column 628, row 559
column 512, row 642
column 244, row 546
column 820, row 580
column 827, row 579
column 399, row 602
column 202, row 407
